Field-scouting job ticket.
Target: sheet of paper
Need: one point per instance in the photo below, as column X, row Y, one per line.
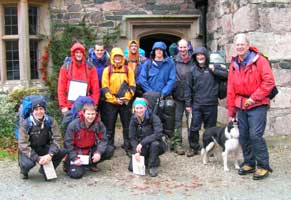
column 49, row 171
column 138, row 166
column 76, row 89
column 84, row 159
column 190, row 119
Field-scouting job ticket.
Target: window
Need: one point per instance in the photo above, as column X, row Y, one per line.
column 10, row 20
column 21, row 46
column 12, row 60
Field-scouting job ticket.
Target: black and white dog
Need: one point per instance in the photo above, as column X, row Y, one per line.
column 226, row 138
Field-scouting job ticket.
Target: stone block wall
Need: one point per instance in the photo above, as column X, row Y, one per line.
column 267, row 24
column 105, row 16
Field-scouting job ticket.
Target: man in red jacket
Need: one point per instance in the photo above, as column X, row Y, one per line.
column 250, row 81
column 77, row 78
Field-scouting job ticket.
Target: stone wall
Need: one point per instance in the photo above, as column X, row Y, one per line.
column 105, row 16
column 267, row 24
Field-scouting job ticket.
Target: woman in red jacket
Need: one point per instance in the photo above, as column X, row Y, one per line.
column 250, row 81
column 77, row 78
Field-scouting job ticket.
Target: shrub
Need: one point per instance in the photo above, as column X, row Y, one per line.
column 7, row 120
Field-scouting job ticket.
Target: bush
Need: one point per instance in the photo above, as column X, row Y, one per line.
column 7, row 120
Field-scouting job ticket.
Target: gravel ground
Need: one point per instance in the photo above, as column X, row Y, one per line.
column 179, row 178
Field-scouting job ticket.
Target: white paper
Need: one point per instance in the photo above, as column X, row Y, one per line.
column 76, row 89
column 49, row 170
column 138, row 167
column 189, row 119
column 84, row 159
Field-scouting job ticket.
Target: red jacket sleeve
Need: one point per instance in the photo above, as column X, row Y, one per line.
column 94, row 85
column 63, row 87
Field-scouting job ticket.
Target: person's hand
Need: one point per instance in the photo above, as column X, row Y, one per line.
column 138, row 148
column 44, row 159
column 137, row 157
column 212, row 67
column 64, row 110
column 188, row 109
column 119, row 101
column 96, row 157
column 77, row 162
column 249, row 102
column 230, row 119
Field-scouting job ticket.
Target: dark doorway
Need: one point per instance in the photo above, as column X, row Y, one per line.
column 147, row 42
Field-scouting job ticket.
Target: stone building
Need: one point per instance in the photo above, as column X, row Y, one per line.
column 26, row 28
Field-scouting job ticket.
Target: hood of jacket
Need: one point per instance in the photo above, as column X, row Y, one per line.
column 159, row 45
column 75, row 47
column 201, row 50
column 117, row 51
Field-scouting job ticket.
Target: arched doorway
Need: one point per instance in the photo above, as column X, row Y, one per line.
column 146, row 42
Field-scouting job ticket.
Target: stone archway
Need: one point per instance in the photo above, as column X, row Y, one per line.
column 146, row 42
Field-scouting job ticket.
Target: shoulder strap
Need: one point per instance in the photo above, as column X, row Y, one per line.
column 110, row 71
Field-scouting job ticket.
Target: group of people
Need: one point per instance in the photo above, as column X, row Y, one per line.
column 131, row 86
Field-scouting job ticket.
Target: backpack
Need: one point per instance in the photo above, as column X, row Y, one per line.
column 76, row 108
column 275, row 90
column 68, row 61
column 25, row 111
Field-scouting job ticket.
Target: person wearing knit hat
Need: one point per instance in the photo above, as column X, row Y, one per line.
column 146, row 136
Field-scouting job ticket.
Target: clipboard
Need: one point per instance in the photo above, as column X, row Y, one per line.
column 138, row 167
column 76, row 89
column 49, row 171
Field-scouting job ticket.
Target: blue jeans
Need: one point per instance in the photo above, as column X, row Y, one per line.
column 252, row 125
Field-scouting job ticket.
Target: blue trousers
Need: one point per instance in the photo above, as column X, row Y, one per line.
column 252, row 125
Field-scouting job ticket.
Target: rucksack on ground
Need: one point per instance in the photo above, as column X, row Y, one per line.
column 26, row 108
column 76, row 108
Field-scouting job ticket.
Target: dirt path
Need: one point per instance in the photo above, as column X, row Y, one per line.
column 179, row 178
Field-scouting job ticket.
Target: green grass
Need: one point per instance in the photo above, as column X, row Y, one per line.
column 6, row 155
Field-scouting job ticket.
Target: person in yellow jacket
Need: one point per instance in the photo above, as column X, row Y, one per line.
column 118, row 84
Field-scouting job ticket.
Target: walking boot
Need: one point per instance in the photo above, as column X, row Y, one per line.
column 260, row 174
column 246, row 169
column 179, row 150
column 153, row 171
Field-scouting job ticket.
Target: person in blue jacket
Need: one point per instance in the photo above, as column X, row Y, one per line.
column 157, row 78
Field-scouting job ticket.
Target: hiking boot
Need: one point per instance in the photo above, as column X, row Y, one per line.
column 179, row 150
column 153, row 171
column 94, row 168
column 260, row 174
column 24, row 176
column 191, row 153
column 246, row 169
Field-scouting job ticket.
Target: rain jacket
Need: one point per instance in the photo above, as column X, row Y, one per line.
column 158, row 78
column 79, row 139
column 202, row 83
column 254, row 81
column 114, row 76
column 78, row 72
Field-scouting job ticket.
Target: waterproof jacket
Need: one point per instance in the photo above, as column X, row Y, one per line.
column 145, row 132
column 203, row 83
column 100, row 64
column 79, row 139
column 183, row 69
column 254, row 80
column 114, row 76
column 78, row 72
column 158, row 78
column 37, row 139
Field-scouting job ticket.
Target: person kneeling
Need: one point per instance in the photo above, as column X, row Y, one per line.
column 86, row 143
column 145, row 135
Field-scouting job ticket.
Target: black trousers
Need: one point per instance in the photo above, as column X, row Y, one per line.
column 151, row 153
column 109, row 117
column 76, row 172
column 26, row 164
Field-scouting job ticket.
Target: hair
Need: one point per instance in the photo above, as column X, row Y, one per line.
column 182, row 40
column 98, row 44
column 243, row 36
column 89, row 106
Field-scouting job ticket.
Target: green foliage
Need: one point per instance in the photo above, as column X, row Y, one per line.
column 111, row 37
column 18, row 94
column 7, row 117
column 7, row 155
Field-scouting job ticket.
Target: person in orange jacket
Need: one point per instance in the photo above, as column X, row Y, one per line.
column 118, row 84
column 76, row 74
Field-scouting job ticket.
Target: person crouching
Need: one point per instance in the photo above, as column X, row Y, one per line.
column 145, row 135
column 86, row 143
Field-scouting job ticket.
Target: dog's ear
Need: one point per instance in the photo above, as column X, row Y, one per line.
column 229, row 126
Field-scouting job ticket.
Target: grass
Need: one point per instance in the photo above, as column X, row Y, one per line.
column 4, row 154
